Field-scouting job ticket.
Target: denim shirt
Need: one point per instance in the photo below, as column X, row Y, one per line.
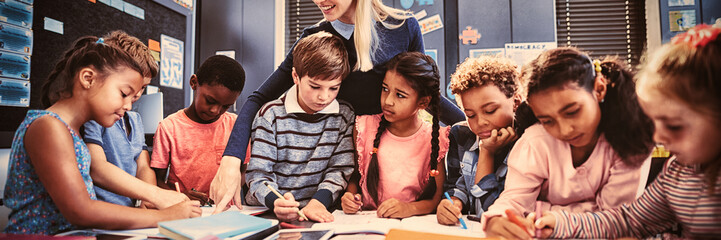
column 462, row 161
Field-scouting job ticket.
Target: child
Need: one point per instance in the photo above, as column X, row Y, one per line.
column 586, row 153
column 302, row 142
column 49, row 189
column 121, row 147
column 190, row 142
column 487, row 89
column 680, row 90
column 399, row 168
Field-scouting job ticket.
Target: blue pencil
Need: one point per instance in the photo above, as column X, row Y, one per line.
column 463, row 223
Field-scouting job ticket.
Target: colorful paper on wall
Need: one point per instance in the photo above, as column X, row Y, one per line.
column 16, row 13
column 14, row 92
column 53, row 25
column 431, row 23
column 491, row 52
column 677, row 3
column 134, row 10
column 680, row 21
column 171, row 62
column 16, row 39
column 433, row 53
column 153, row 45
column 14, row 65
column 117, row 4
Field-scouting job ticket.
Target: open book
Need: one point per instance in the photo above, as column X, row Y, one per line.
column 369, row 222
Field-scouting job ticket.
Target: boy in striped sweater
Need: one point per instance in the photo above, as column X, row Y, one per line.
column 302, row 143
column 680, row 90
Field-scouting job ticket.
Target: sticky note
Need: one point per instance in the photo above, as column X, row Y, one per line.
column 153, row 45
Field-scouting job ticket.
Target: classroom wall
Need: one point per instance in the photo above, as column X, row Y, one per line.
column 246, row 27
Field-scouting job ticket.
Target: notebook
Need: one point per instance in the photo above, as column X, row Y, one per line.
column 369, row 222
column 221, row 225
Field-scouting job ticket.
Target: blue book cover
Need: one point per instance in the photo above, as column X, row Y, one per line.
column 221, row 225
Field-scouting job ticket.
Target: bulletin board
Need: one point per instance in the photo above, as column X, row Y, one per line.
column 91, row 17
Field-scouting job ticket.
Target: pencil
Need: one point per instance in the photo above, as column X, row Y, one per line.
column 302, row 216
column 538, row 216
column 463, row 223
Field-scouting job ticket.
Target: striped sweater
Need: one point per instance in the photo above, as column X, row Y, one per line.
column 680, row 195
column 309, row 155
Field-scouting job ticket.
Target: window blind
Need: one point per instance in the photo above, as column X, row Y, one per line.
column 608, row 27
column 299, row 15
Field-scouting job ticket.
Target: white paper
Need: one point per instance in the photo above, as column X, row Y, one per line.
column 171, row 62
column 53, row 25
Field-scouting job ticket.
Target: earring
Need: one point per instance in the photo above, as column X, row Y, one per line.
column 603, row 99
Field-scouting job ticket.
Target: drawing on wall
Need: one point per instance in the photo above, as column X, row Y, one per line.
column 431, row 23
column 171, row 62
column 676, row 3
column 425, row 2
column 407, row 4
column 469, row 36
column 491, row 52
column 680, row 21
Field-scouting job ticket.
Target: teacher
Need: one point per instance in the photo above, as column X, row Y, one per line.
column 373, row 33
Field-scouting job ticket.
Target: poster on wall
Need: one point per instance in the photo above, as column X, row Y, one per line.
column 431, row 24
column 17, row 13
column 522, row 53
column 16, row 39
column 14, row 93
column 490, row 52
column 677, row 3
column 680, row 21
column 171, row 62
column 14, row 65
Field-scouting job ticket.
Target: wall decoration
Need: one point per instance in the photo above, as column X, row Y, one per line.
column 430, row 24
column 680, row 21
column 171, row 62
column 469, row 36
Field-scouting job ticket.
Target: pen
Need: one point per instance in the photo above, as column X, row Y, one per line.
column 538, row 216
column 514, row 219
column 177, row 187
column 302, row 216
column 463, row 223
column 358, row 199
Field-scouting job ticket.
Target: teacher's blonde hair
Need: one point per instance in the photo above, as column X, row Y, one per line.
column 366, row 37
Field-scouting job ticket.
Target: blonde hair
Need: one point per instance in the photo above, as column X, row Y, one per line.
column 690, row 73
column 365, row 35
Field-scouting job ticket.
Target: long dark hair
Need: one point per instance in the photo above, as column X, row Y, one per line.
column 85, row 52
column 628, row 130
column 422, row 73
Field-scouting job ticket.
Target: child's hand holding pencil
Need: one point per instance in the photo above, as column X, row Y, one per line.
column 285, row 207
column 351, row 203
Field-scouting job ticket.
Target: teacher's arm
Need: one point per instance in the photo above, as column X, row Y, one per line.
column 226, row 184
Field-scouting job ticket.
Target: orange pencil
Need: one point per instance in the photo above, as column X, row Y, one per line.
column 514, row 219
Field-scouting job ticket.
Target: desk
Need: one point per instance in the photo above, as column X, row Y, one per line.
column 350, row 227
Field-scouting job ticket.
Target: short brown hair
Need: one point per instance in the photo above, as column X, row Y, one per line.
column 476, row 72
column 136, row 49
column 321, row 55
